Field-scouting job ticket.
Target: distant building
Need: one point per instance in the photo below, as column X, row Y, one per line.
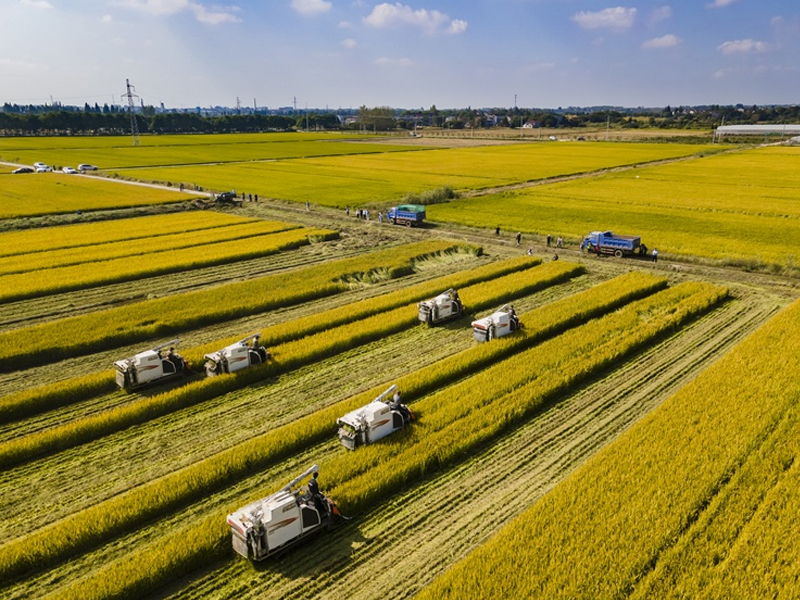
column 785, row 130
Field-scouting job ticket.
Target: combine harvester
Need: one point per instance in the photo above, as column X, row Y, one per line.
column 498, row 324
column 150, row 367
column 237, row 356
column 374, row 421
column 443, row 307
column 276, row 522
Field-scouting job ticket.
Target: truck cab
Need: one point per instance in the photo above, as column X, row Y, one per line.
column 443, row 307
column 498, row 324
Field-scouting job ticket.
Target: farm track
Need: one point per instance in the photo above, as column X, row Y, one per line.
column 479, row 492
column 397, row 549
column 213, row 426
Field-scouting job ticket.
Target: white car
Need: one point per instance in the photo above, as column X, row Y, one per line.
column 39, row 165
column 43, row 169
column 87, row 167
column 69, row 171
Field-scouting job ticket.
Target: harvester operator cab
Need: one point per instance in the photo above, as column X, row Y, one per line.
column 443, row 307
column 237, row 356
column 498, row 324
column 381, row 417
column 149, row 367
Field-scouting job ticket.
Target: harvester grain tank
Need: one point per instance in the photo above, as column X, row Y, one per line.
column 443, row 307
column 150, row 367
column 237, row 356
column 375, row 421
column 499, row 323
column 282, row 519
column 605, row 242
column 410, row 215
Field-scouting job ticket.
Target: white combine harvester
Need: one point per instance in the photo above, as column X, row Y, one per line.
column 497, row 324
column 374, row 421
column 150, row 366
column 443, row 307
column 237, row 356
column 271, row 524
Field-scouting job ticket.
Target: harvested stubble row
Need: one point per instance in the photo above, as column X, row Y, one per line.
column 285, row 357
column 439, row 438
column 138, row 250
column 95, row 525
column 147, row 320
column 32, row 402
column 44, row 282
column 693, row 502
column 44, row 239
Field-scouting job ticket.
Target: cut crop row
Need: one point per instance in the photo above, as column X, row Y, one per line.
column 440, row 436
column 285, row 357
column 149, row 319
column 129, row 510
column 45, row 282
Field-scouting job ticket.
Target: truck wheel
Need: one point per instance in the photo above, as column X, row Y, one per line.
column 618, row 253
column 408, row 223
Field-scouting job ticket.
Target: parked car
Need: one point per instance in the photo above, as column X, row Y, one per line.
column 86, row 167
column 69, row 170
column 43, row 169
column 39, row 165
column 23, row 170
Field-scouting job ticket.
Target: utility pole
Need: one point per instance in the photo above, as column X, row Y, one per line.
column 130, row 95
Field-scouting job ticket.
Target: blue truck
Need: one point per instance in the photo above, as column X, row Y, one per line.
column 409, row 215
column 605, row 242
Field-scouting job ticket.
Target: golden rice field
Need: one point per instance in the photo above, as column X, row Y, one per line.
column 355, row 180
column 736, row 207
column 636, row 438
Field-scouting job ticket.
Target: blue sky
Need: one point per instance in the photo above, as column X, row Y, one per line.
column 413, row 53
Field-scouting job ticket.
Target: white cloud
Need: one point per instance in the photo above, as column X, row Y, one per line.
column 345, row 25
column 158, row 8
column 393, row 62
column 720, row 3
column 398, row 15
column 662, row 13
column 311, row 7
column 106, row 19
column 40, row 4
column 747, row 46
column 665, row 41
column 615, row 19
column 215, row 17
column 349, row 43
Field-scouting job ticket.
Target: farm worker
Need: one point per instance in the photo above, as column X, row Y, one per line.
column 347, row 210
column 497, row 230
column 396, row 399
column 555, row 256
column 655, row 254
column 256, row 198
column 519, row 237
column 308, row 206
column 313, row 486
column 548, row 240
column 380, row 217
column 530, row 251
column 560, row 242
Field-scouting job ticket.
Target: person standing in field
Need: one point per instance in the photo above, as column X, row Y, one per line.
column 655, row 255
column 497, row 230
column 519, row 237
column 308, row 206
column 548, row 240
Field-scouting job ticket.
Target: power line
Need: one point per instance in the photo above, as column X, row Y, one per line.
column 130, row 95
